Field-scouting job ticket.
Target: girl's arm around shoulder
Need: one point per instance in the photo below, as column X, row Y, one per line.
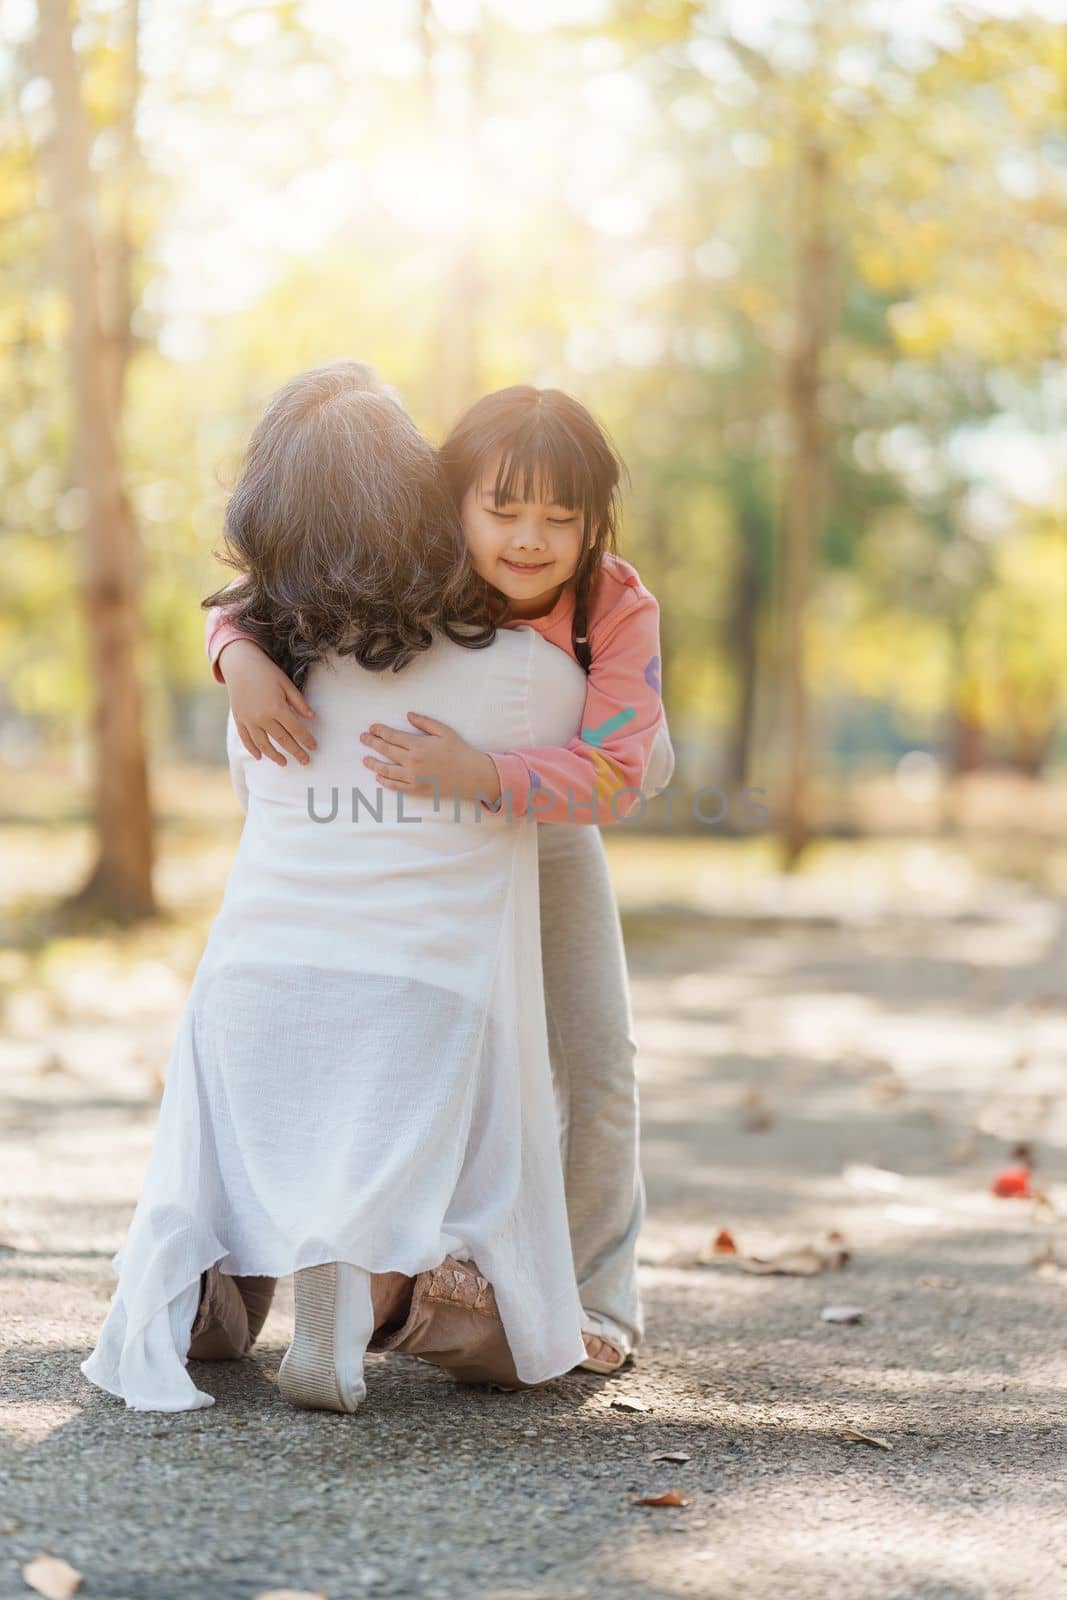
column 267, row 706
column 597, row 777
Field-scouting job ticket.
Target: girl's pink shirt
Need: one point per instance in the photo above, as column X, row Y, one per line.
column 596, row 777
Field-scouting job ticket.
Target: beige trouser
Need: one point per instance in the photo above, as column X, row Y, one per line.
column 592, row 1050
column 593, row 1053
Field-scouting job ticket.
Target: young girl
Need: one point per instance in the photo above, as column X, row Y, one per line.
column 360, row 1092
column 536, row 482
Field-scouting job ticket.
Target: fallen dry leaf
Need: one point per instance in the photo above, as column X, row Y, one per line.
column 1045, row 1209
column 854, row 1436
column 756, row 1114
column 625, row 1402
column 671, row 1497
column 1046, row 1002
column 842, row 1313
column 678, row 1456
column 800, row 1261
column 291, row 1594
column 938, row 1280
column 804, row 1262
column 1045, row 1263
column 55, row 1579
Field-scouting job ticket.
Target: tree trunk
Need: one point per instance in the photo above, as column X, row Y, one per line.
column 743, row 635
column 120, row 883
column 804, row 480
column 968, row 743
column 1032, row 747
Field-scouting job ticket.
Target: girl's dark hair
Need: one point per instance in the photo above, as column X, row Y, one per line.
column 344, row 532
column 545, row 446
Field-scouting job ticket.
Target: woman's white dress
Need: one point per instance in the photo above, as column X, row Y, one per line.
column 361, row 1072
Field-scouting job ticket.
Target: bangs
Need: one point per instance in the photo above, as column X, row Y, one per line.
column 544, row 462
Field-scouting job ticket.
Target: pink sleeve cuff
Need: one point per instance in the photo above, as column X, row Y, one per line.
column 220, row 633
column 514, row 777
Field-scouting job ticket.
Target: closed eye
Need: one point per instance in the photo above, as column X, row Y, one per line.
column 502, row 516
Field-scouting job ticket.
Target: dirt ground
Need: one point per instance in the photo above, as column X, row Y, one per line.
column 834, row 1057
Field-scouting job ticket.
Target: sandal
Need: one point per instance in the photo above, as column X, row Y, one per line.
column 610, row 1332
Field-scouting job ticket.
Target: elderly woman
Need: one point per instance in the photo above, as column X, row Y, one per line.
column 359, row 1092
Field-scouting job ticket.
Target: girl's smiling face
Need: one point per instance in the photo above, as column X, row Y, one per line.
column 528, row 549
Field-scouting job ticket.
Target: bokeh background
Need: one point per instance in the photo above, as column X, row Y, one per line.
column 808, row 262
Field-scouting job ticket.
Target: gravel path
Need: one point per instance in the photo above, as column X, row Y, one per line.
column 866, row 1077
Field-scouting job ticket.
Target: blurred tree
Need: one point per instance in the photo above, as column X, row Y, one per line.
column 95, row 260
column 480, row 196
column 805, row 467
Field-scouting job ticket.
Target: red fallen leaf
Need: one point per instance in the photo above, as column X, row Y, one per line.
column 1012, row 1183
column 723, row 1243
column 672, row 1497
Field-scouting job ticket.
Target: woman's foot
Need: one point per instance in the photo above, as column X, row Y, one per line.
column 323, row 1368
column 600, row 1351
column 608, row 1345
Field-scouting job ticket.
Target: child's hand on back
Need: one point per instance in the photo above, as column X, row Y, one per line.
column 267, row 707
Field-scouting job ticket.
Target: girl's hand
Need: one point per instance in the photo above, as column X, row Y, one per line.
column 435, row 761
column 266, row 706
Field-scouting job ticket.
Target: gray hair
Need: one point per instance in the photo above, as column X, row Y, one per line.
column 345, row 533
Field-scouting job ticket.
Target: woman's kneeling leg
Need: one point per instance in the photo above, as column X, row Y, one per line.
column 453, row 1322
column 230, row 1316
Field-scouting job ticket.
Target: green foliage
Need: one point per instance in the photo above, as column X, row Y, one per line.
column 605, row 205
